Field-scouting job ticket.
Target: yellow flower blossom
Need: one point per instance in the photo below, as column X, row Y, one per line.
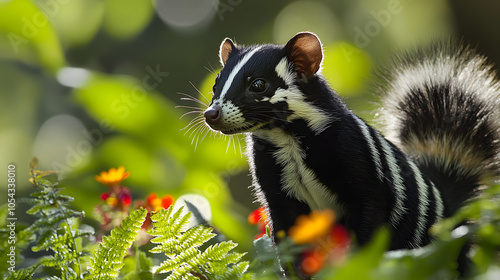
column 308, row 228
column 112, row 201
column 113, row 177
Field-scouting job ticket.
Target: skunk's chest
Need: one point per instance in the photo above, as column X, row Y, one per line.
column 297, row 179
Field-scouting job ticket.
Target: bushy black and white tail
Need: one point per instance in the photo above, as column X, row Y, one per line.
column 442, row 106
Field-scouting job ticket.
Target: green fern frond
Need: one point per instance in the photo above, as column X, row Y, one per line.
column 236, row 271
column 219, row 266
column 48, row 261
column 168, row 225
column 142, row 269
column 51, row 278
column 188, row 258
column 219, row 250
column 52, row 228
column 168, row 231
column 196, row 236
column 23, row 274
column 64, row 254
column 182, row 247
column 107, row 260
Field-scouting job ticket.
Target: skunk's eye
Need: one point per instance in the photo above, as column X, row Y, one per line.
column 258, row 85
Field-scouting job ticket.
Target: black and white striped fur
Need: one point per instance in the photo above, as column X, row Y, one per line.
column 308, row 151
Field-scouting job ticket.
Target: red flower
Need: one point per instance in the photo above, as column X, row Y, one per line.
column 166, row 201
column 328, row 242
column 259, row 217
column 125, row 197
column 104, row 196
column 153, row 203
column 312, row 261
column 117, row 199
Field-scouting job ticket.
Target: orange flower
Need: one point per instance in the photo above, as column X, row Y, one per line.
column 308, row 228
column 153, row 203
column 112, row 201
column 257, row 215
column 113, row 177
column 328, row 242
column 332, row 248
column 312, row 261
column 156, row 203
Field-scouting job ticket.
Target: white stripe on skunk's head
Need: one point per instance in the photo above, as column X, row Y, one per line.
column 258, row 84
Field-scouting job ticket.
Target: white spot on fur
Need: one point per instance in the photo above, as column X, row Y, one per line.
column 316, row 119
column 423, row 204
column 283, row 71
column 439, row 203
column 397, row 180
column 255, row 183
column 235, row 71
column 371, row 144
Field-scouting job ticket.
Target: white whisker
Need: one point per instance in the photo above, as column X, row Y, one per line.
column 195, row 100
column 188, row 97
column 194, row 128
column 228, row 143
column 193, row 121
column 191, row 112
column 202, row 95
column 188, row 107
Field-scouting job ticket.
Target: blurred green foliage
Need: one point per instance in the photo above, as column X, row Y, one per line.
column 25, row 26
column 86, row 85
column 58, row 228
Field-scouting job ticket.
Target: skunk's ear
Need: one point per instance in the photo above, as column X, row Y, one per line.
column 304, row 50
column 226, row 47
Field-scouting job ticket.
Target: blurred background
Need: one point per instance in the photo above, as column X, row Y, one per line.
column 86, row 85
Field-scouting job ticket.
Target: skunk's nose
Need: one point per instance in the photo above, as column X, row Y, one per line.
column 213, row 115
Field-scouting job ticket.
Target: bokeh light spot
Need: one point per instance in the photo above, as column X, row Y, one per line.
column 186, row 14
column 346, row 67
column 311, row 16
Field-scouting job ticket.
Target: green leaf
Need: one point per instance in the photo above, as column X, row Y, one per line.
column 125, row 18
column 184, row 261
column 347, row 68
column 86, row 16
column 143, row 266
column 196, row 236
column 182, row 248
column 30, row 35
column 48, row 261
column 24, row 273
column 147, row 138
column 107, row 260
column 52, row 228
column 124, row 104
